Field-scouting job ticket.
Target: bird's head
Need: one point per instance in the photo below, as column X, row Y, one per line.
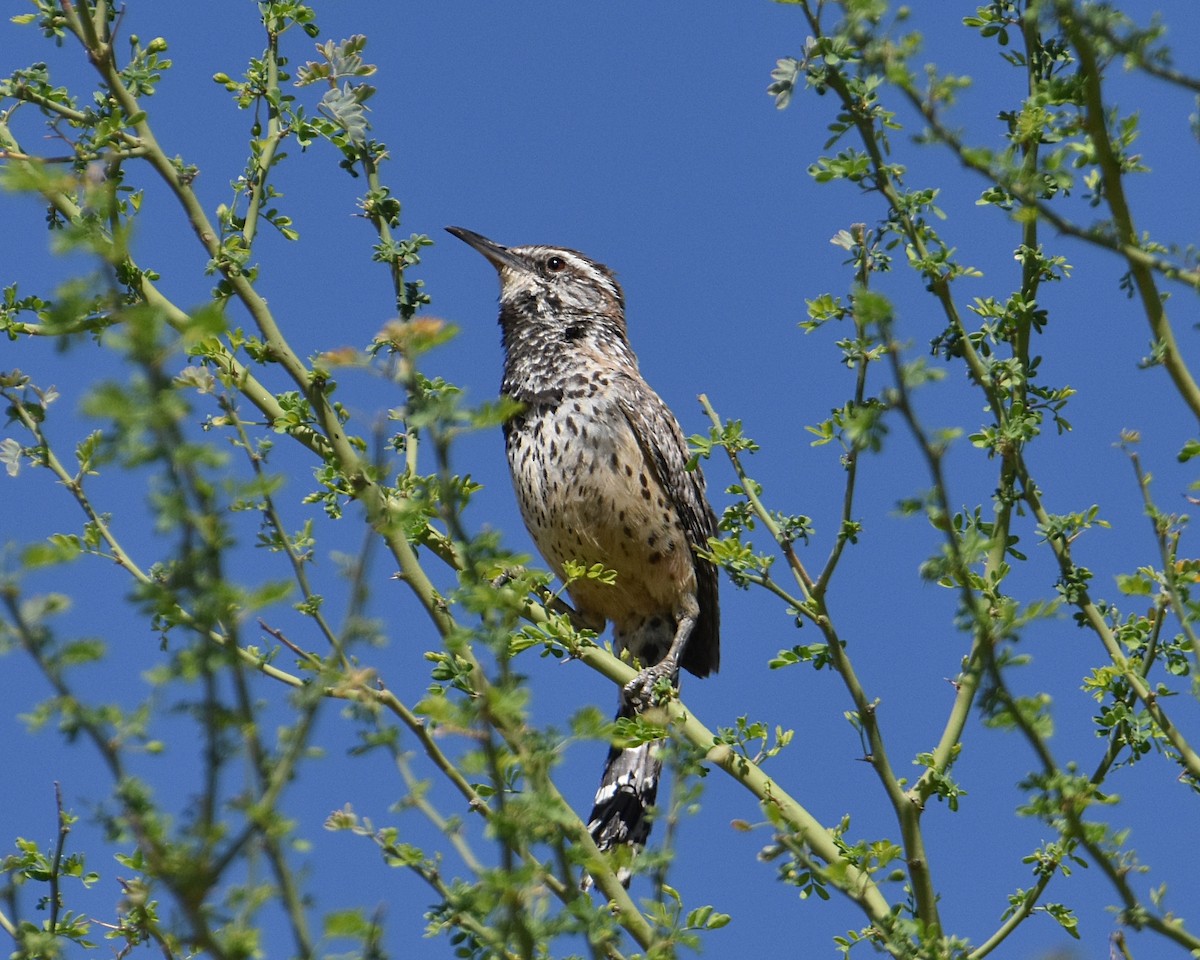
column 549, row 281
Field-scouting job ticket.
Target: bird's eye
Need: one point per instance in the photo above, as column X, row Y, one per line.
column 556, row 264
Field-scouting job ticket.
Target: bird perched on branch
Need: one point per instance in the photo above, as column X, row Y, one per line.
column 599, row 465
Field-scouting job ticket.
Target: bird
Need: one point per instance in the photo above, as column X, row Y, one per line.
column 599, row 465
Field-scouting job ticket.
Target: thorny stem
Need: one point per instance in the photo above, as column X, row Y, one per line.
column 353, row 689
column 885, row 182
column 1012, row 466
column 857, row 884
column 1168, row 552
column 269, row 144
column 975, row 162
column 60, row 844
column 117, row 552
column 862, row 365
column 405, row 370
column 814, row 607
column 227, row 364
column 418, row 798
column 340, row 448
column 1122, row 239
column 108, row 749
column 1097, row 623
column 908, row 805
column 967, row 683
column 464, row 918
column 272, row 772
column 1030, row 280
column 763, row 515
column 1126, row 234
column 299, row 571
column 1072, row 809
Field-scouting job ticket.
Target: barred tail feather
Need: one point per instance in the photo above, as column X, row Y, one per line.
column 628, row 787
column 627, row 791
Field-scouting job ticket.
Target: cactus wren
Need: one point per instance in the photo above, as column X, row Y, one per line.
column 599, row 467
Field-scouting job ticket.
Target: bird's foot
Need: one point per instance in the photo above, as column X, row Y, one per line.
column 507, row 576
column 653, row 686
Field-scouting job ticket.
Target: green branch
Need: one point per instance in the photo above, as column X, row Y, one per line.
column 340, row 449
column 1153, row 304
column 1096, row 622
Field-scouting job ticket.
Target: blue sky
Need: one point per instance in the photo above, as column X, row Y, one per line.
column 642, row 135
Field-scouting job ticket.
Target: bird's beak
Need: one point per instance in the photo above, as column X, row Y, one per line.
column 497, row 255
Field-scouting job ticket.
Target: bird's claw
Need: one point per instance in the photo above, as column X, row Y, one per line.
column 506, row 576
column 645, row 689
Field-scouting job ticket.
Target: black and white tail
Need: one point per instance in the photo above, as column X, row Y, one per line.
column 628, row 787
